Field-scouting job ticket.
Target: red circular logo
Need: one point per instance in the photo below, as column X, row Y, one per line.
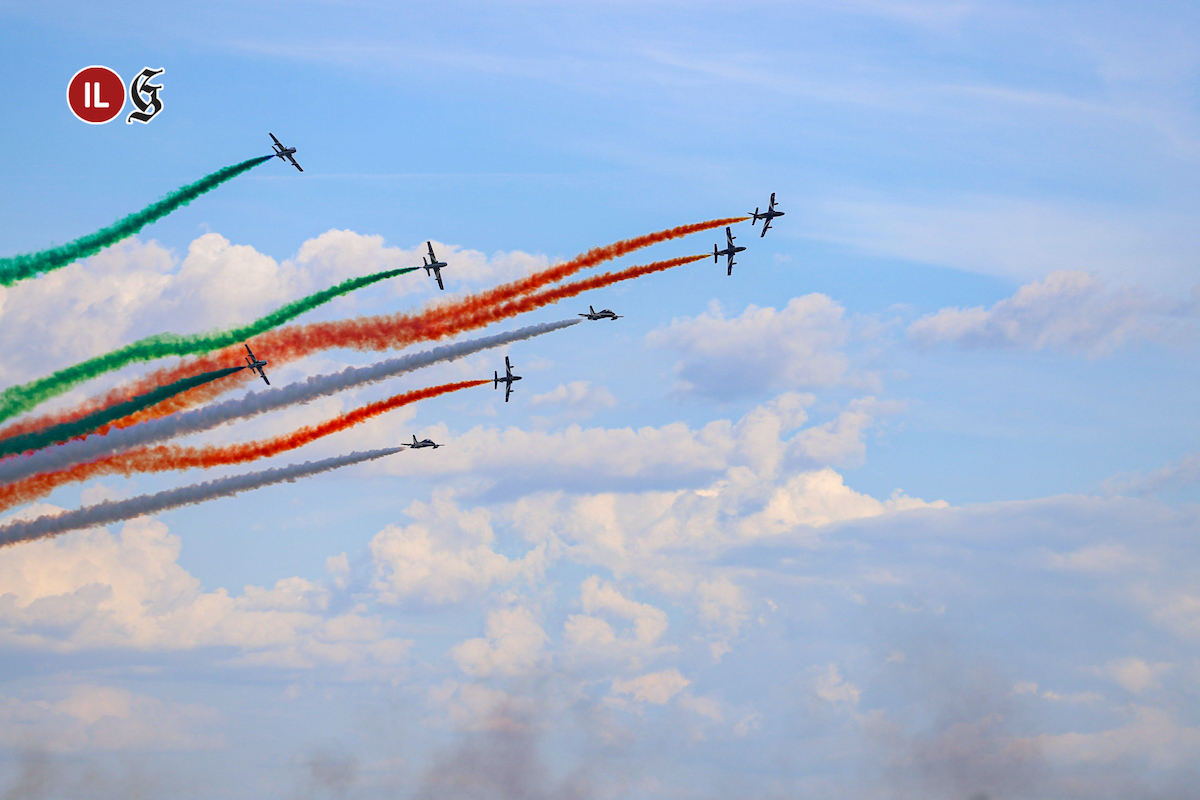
column 96, row 95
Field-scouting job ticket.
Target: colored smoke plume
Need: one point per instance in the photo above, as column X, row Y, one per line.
column 85, row 425
column 19, row 399
column 380, row 332
column 202, row 419
column 18, row 268
column 117, row 510
column 176, row 457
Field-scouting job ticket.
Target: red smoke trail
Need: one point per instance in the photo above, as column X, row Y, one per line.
column 161, row 458
column 399, row 330
column 361, row 333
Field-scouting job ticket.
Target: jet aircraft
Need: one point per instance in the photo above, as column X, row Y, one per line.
column 507, row 379
column 423, row 443
column 767, row 215
column 433, row 266
column 256, row 364
column 282, row 152
column 593, row 314
column 729, row 250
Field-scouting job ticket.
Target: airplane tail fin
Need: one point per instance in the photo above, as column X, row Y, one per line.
column 755, row 216
column 496, row 380
column 715, row 259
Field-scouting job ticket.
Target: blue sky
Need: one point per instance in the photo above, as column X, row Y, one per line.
column 906, row 507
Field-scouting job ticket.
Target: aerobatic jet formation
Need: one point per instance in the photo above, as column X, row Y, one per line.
column 256, row 364
column 593, row 314
column 423, row 443
column 729, row 250
column 767, row 215
column 433, row 266
column 507, row 379
column 282, row 152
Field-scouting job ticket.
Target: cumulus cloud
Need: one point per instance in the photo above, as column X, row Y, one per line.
column 94, row 590
column 1072, row 311
column 831, row 687
column 1152, row 736
column 577, row 399
column 105, row 718
column 512, row 645
column 1135, row 675
column 138, row 288
column 767, row 438
column 589, row 637
column 654, row 687
column 445, row 555
column 763, row 349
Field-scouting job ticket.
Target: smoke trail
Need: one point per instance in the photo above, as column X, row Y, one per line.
column 318, row 333
column 19, row 399
column 254, row 403
column 18, row 268
column 172, row 457
column 115, row 511
column 85, row 425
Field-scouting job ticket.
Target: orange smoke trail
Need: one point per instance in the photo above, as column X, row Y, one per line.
column 161, row 458
column 361, row 333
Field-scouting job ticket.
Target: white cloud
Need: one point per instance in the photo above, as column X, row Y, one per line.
column 654, row 687
column 105, row 718
column 136, row 288
column 761, row 350
column 578, row 399
column 444, row 556
column 1152, row 736
column 475, row 707
column 94, row 590
column 1064, row 311
column 513, row 644
column 765, row 439
column 832, row 688
column 590, row 637
column 1135, row 675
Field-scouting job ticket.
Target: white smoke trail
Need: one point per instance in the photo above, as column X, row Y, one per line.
column 117, row 510
column 202, row 419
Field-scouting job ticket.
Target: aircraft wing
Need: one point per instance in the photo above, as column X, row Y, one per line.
column 263, row 375
column 275, row 140
column 294, row 164
column 432, row 257
column 438, row 274
column 507, row 391
column 729, row 271
column 766, row 225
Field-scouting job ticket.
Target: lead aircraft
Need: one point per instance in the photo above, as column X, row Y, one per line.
column 767, row 215
column 282, row 152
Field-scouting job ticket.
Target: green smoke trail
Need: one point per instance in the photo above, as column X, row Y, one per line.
column 69, row 430
column 18, row 268
column 19, row 399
